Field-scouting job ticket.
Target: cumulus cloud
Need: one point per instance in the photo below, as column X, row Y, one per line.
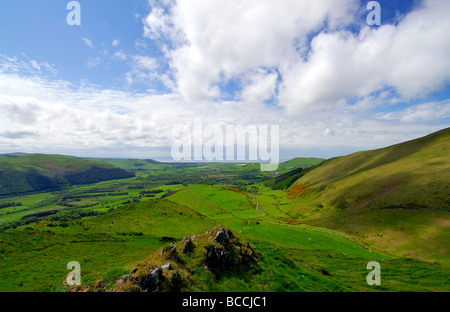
column 411, row 57
column 296, row 64
column 44, row 115
column 219, row 40
column 321, row 63
column 259, row 87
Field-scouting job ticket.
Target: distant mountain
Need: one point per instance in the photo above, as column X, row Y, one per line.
column 398, row 195
column 25, row 173
column 12, row 155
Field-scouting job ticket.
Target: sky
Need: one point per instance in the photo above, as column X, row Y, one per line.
column 118, row 84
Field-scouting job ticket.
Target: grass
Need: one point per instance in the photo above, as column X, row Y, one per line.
column 305, row 243
column 373, row 194
column 34, row 258
column 50, row 165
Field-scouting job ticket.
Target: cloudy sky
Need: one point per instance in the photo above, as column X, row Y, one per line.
column 119, row 83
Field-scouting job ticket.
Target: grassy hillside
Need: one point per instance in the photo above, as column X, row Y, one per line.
column 26, row 173
column 397, row 198
column 299, row 162
column 285, row 256
column 131, row 164
column 117, row 230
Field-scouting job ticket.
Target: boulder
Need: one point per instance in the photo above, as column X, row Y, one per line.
column 188, row 246
column 223, row 237
column 217, row 259
column 125, row 279
column 151, row 281
column 173, row 254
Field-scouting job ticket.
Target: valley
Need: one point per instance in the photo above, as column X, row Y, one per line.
column 314, row 224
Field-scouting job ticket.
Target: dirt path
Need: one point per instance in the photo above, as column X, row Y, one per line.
column 283, row 224
column 257, row 206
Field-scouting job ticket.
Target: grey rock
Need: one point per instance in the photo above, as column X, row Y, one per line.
column 188, row 246
column 125, row 279
column 152, row 280
column 223, row 237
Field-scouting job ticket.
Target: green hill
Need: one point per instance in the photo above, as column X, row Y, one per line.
column 298, row 162
column 262, row 255
column 25, row 173
column 131, row 164
column 397, row 198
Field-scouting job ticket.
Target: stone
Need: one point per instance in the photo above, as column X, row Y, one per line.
column 223, row 237
column 175, row 282
column 152, row 280
column 173, row 254
column 188, row 246
column 126, row 278
column 217, row 259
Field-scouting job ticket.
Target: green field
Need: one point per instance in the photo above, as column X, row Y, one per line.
column 303, row 242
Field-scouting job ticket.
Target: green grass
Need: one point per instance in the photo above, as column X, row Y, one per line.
column 222, row 205
column 375, row 193
column 306, row 244
column 35, row 258
column 50, row 165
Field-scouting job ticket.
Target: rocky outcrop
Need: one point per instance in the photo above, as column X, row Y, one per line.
column 188, row 245
column 173, row 267
column 223, row 237
column 151, row 281
column 218, row 259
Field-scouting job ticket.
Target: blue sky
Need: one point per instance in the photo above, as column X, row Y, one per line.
column 119, row 83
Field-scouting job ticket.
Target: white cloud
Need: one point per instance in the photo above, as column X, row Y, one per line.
column 219, row 40
column 88, row 42
column 411, row 57
column 94, row 62
column 208, row 43
column 145, row 62
column 263, row 46
column 121, row 55
column 116, row 42
column 259, row 87
column 40, row 115
column 25, row 66
column 426, row 112
column 144, row 69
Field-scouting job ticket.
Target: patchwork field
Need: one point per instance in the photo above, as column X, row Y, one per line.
column 300, row 240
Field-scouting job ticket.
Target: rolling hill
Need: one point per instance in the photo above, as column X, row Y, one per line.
column 26, row 173
column 397, row 198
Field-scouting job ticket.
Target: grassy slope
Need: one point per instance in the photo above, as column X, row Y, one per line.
column 38, row 172
column 293, row 256
column 298, row 162
column 130, row 164
column 35, row 258
column 396, row 198
column 49, row 165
